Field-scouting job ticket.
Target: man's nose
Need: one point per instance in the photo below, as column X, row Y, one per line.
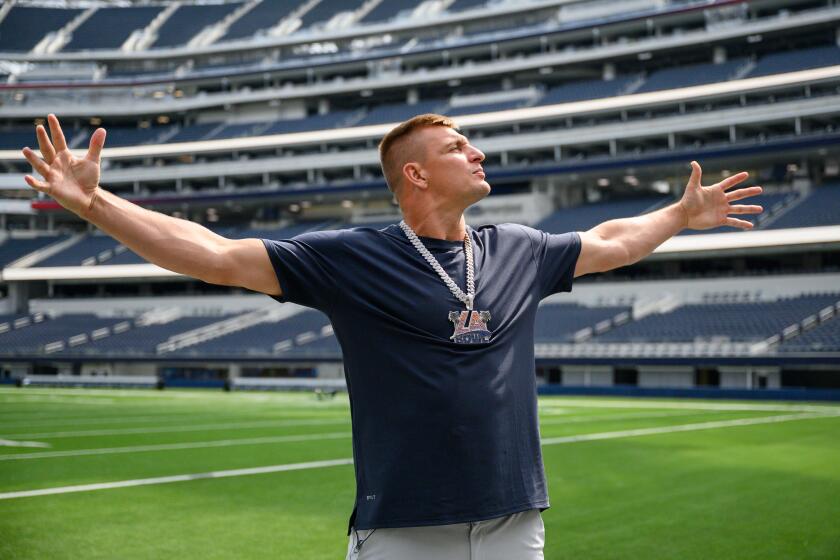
column 477, row 155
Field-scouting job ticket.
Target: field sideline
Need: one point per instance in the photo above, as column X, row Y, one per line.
column 205, row 475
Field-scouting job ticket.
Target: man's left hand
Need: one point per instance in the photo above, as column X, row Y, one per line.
column 709, row 207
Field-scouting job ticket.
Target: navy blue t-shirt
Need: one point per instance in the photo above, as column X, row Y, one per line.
column 443, row 432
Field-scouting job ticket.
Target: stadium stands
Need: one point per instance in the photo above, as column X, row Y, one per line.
column 324, row 10
column 85, row 251
column 262, row 17
column 14, row 248
column 109, row 28
column 389, row 9
column 582, row 218
column 742, row 322
column 188, row 20
column 822, row 338
column 592, row 89
column 262, row 338
column 25, row 26
column 51, row 335
column 819, row 208
column 791, row 61
column 693, row 75
column 559, row 322
column 399, row 112
column 463, row 5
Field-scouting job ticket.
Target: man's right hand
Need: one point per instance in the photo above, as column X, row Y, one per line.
column 71, row 181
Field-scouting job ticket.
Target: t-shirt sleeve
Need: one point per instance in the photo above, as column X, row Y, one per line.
column 556, row 256
column 306, row 268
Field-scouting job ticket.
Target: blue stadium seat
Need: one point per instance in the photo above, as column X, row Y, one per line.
column 388, row 10
column 399, row 112
column 326, row 9
column 188, row 20
column 259, row 339
column 791, row 61
column 822, row 338
column 462, row 5
column 821, row 207
column 193, row 133
column 32, row 339
column 87, row 248
column 315, row 122
column 24, row 26
column 592, row 89
column 558, row 322
column 142, row 340
column 693, row 75
column 483, row 108
column 265, row 15
column 582, row 218
column 109, row 28
column 13, row 248
column 733, row 321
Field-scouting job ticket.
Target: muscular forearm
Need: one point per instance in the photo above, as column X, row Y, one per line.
column 637, row 237
column 178, row 245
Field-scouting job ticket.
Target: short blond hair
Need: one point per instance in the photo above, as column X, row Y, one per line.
column 391, row 158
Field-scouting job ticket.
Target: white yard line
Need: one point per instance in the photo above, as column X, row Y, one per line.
column 186, row 428
column 14, row 443
column 175, row 478
column 174, row 446
column 589, row 403
column 597, row 418
column 686, row 427
column 348, row 461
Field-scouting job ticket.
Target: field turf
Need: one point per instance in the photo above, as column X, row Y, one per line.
column 628, row 478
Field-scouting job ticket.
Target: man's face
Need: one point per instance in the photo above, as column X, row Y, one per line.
column 452, row 165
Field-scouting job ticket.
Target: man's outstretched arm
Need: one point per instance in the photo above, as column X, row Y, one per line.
column 618, row 243
column 178, row 245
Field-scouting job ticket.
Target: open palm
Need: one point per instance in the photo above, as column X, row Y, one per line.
column 71, row 181
column 708, row 207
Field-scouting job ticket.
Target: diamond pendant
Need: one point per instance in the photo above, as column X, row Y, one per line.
column 470, row 326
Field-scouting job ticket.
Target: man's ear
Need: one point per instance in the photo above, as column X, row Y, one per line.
column 414, row 175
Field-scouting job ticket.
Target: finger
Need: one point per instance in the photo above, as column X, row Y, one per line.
column 37, row 163
column 36, row 184
column 44, row 144
column 56, row 133
column 97, row 141
column 733, row 180
column 738, row 194
column 696, row 174
column 735, row 222
column 745, row 209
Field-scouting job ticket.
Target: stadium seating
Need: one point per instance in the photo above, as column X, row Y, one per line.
column 260, row 339
column 558, row 322
column 109, row 28
column 819, row 208
column 32, row 340
column 388, row 10
column 85, row 251
column 693, row 75
column 188, row 20
column 582, row 218
column 195, row 132
column 734, row 321
column 454, row 111
column 400, row 112
column 17, row 138
column 142, row 340
column 791, row 61
column 36, row 22
column 265, row 15
column 14, row 248
column 822, row 338
column 592, row 89
column 121, row 136
column 462, row 5
column 326, row 9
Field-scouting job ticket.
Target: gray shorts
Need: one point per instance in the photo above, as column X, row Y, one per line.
column 520, row 536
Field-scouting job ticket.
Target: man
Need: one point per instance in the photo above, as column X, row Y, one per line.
column 435, row 320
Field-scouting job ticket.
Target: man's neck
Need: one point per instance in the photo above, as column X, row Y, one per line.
column 450, row 227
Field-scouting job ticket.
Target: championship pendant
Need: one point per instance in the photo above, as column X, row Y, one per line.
column 470, row 326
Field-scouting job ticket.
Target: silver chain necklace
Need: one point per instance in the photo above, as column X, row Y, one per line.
column 470, row 325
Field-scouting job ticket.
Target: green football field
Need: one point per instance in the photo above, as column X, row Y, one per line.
column 205, row 474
